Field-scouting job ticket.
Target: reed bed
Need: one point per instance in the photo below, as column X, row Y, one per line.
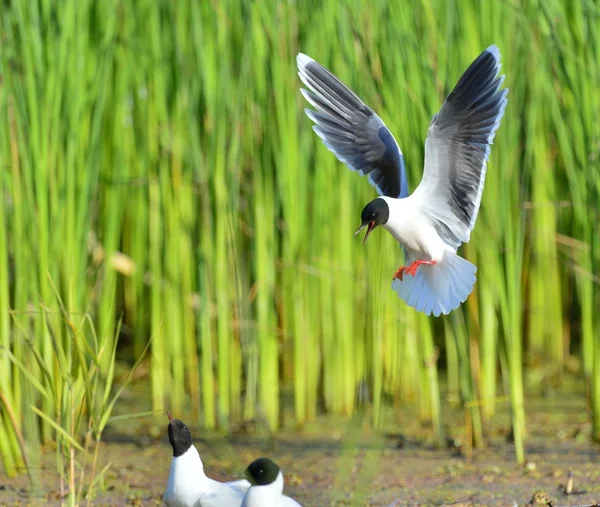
column 158, row 169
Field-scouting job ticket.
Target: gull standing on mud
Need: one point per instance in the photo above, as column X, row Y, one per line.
column 432, row 222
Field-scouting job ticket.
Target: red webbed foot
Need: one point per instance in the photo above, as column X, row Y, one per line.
column 410, row 270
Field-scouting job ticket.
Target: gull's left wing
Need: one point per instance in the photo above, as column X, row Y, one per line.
column 351, row 130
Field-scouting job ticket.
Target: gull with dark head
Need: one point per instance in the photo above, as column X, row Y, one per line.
column 188, row 485
column 267, row 485
column 432, row 222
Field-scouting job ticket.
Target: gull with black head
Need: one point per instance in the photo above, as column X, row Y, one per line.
column 267, row 485
column 432, row 222
column 188, row 485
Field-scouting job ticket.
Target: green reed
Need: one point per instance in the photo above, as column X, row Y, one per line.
column 157, row 164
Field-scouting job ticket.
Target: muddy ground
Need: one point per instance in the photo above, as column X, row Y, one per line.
column 346, row 463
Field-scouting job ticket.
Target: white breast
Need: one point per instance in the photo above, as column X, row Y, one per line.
column 270, row 495
column 414, row 231
column 185, row 479
column 188, row 485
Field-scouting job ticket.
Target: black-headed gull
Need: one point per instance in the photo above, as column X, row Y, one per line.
column 267, row 485
column 432, row 222
column 188, row 485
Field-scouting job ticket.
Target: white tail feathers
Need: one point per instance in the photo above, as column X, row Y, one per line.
column 439, row 288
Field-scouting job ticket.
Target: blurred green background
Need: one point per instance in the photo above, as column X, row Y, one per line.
column 160, row 186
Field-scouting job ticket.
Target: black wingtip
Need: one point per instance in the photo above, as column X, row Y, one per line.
column 480, row 80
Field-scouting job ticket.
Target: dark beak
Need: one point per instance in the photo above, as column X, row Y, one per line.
column 370, row 226
column 248, row 477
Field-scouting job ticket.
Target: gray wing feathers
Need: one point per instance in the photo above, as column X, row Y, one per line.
column 351, row 130
column 458, row 146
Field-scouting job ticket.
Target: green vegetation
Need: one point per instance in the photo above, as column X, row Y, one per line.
column 156, row 165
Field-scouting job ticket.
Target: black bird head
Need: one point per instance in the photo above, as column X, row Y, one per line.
column 179, row 436
column 377, row 212
column 262, row 472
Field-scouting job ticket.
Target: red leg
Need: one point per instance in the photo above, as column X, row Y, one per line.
column 412, row 269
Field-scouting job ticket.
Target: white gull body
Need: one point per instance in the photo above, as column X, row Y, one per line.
column 188, row 485
column 269, row 495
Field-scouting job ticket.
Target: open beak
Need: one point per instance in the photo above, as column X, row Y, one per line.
column 370, row 226
column 169, row 416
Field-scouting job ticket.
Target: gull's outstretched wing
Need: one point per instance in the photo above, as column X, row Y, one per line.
column 351, row 130
column 458, row 146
